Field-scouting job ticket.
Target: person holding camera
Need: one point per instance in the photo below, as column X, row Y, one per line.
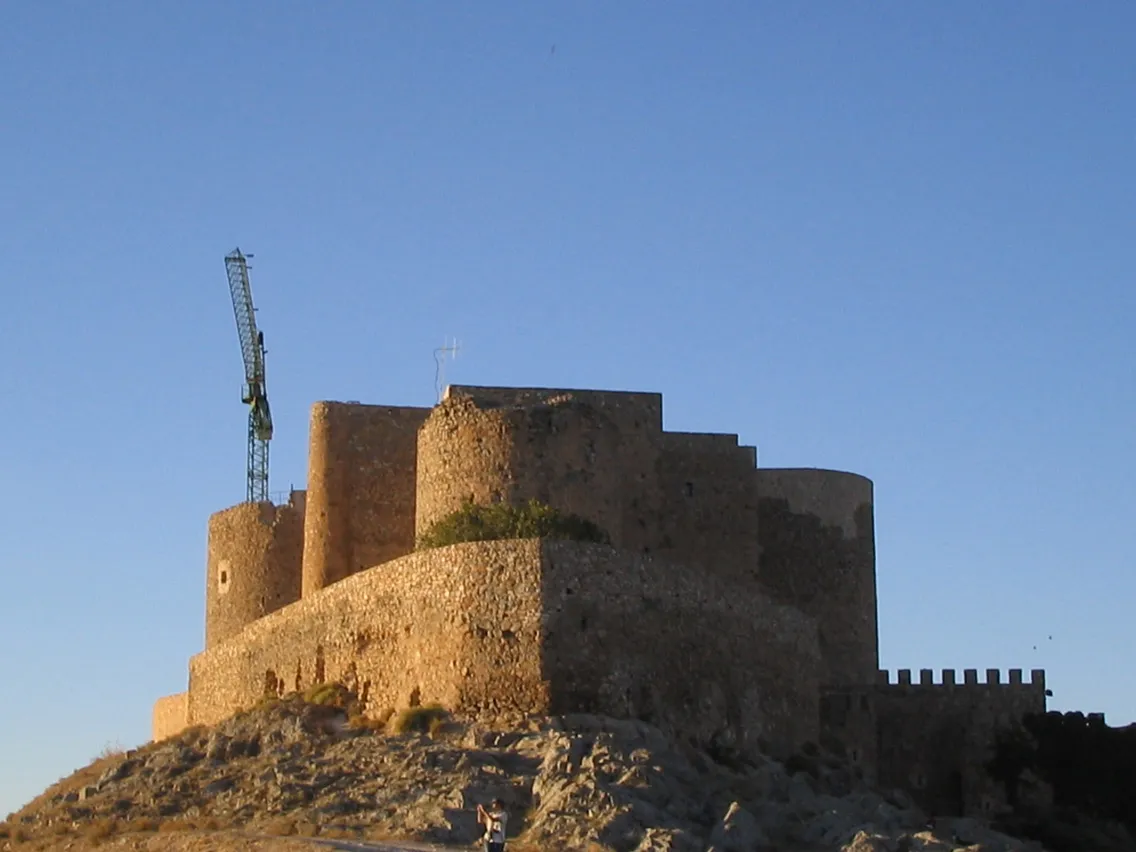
column 495, row 819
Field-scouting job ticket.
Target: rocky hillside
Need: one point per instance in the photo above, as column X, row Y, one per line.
column 293, row 768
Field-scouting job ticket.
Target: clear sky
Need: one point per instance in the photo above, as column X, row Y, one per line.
column 884, row 237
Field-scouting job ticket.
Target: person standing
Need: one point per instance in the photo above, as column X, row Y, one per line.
column 495, row 821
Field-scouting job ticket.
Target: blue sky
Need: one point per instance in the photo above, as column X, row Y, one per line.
column 883, row 237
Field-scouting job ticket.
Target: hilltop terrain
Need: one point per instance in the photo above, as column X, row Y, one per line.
column 291, row 768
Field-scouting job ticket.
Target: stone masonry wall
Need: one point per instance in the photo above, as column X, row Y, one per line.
column 638, row 421
column 631, row 635
column 504, row 628
column 253, row 565
column 419, row 629
column 170, row 716
column 709, row 503
column 564, row 454
column 361, row 489
column 934, row 738
column 816, row 530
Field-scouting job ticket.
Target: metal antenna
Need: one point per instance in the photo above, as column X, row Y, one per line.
column 440, row 354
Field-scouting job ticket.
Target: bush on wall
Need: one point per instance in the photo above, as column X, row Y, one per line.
column 473, row 522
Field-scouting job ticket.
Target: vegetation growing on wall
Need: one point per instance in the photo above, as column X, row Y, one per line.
column 473, row 522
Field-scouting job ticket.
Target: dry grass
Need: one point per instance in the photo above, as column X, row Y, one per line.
column 307, row 829
column 169, row 826
column 140, row 824
column 280, row 827
column 111, row 751
column 339, row 832
column 100, row 829
column 376, row 723
column 529, row 846
column 15, row 834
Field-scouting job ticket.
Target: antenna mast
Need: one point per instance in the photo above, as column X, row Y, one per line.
column 440, row 354
column 255, row 393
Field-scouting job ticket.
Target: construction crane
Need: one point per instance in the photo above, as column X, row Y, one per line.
column 255, row 393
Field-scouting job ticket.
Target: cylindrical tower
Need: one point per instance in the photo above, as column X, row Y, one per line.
column 818, row 554
column 562, row 453
column 255, row 553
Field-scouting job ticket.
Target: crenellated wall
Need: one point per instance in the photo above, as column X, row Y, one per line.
column 818, row 553
column 934, row 738
column 253, row 565
column 361, row 489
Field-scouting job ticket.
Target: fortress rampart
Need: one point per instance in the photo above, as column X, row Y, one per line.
column 361, row 488
column 569, row 627
column 708, row 501
column 253, row 565
column 818, row 553
column 565, row 453
column 736, row 605
column 638, row 420
column 933, row 735
column 171, row 715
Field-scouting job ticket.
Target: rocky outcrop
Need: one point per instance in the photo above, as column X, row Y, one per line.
column 569, row 782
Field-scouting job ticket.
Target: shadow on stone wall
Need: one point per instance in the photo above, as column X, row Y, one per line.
column 1090, row 767
column 829, row 576
column 633, row 636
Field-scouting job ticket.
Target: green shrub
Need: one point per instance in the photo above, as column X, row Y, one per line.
column 473, row 522
column 328, row 694
column 424, row 720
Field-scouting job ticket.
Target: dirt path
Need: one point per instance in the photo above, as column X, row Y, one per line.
column 215, row 841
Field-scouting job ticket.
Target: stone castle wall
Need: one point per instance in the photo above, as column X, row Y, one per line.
column 934, row 738
column 816, row 529
column 601, row 454
column 361, row 489
column 638, row 422
column 253, row 565
column 411, row 631
column 634, row 636
column 564, row 454
column 515, row 627
column 708, row 497
column 171, row 715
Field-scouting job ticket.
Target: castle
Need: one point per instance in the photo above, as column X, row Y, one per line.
column 735, row 606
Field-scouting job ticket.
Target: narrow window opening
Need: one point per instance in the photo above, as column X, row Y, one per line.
column 689, row 489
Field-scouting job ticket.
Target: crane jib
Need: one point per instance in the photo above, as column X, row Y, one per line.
column 255, row 393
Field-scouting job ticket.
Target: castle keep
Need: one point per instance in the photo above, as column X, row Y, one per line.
column 735, row 606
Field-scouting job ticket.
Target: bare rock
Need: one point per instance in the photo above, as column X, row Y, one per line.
column 737, row 831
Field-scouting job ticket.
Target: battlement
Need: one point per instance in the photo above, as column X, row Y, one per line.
column 949, row 678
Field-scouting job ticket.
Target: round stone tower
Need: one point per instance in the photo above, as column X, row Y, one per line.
column 818, row 554
column 563, row 453
column 254, row 564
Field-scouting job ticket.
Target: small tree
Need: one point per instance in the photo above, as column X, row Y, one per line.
column 473, row 522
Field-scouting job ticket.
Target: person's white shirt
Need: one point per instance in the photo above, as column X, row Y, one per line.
column 495, row 832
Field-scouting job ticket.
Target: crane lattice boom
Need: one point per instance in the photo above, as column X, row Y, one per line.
column 255, row 394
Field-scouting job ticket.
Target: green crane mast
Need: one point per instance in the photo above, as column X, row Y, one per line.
column 255, row 394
